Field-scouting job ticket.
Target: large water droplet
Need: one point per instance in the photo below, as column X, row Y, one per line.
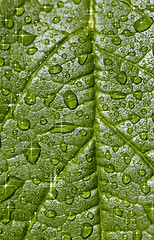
column 24, row 124
column 70, row 99
column 32, row 152
column 55, row 69
column 143, row 23
column 82, row 59
column 47, row 8
column 76, row 1
column 121, row 77
column 30, row 99
column 25, row 38
column 85, row 195
column 86, row 230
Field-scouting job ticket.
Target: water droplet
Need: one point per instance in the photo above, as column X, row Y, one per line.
column 20, row 11
column 43, row 120
column 71, row 216
column 24, row 124
column 43, row 226
column 123, row 18
column 76, row 1
column 30, row 99
column 56, row 20
column 137, row 79
column 118, row 95
column 105, row 182
column 117, row 228
column 25, row 38
column 66, row 236
column 5, row 91
column 105, row 107
column 83, row 132
column 86, row 230
column 110, row 14
column 127, row 32
column 143, row 135
column 134, row 118
column 63, row 147
column 4, row 46
column 118, row 211
column 28, row 19
column 32, row 152
column 126, row 203
column 60, row 4
column 48, row 100
column 8, row 23
column 116, row 25
column 108, row 155
column 8, row 73
column 69, row 200
column 79, row 113
column 126, row 179
column 31, row 51
column 7, row 213
column 70, row 99
column 142, row 172
column 16, row 66
column 145, row 188
column 107, row 62
column 23, row 200
column 121, row 77
column 53, row 193
column 64, row 55
column 2, row 61
column 109, row 168
column 90, row 215
column 55, row 69
column 127, row 220
column 47, row 8
column 36, row 180
column 143, row 23
column 82, row 59
column 85, row 195
column 116, row 40
column 50, row 214
column 82, row 40
column 137, row 95
column 137, row 235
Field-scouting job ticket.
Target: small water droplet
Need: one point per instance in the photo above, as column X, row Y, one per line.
column 76, row 1
column 46, row 8
column 70, row 99
column 4, row 46
column 71, row 216
column 60, row 4
column 63, row 147
column 83, row 132
column 56, row 20
column 118, row 211
column 30, row 99
column 122, row 77
column 143, row 23
column 107, row 62
column 31, row 51
column 126, row 203
column 145, row 188
column 108, row 155
column 69, row 200
column 55, row 69
column 105, row 107
column 20, row 11
column 32, row 152
column 82, row 59
column 138, row 95
column 23, row 200
column 126, row 179
column 127, row 32
column 28, row 19
column 85, row 195
column 127, row 220
column 24, row 124
column 142, row 172
column 116, row 40
column 86, row 230
column 123, row 18
column 66, row 236
column 43, row 121
column 90, row 215
column 8, row 23
column 50, row 214
column 137, row 235
column 2, row 61
column 36, row 180
column 143, row 135
column 109, row 168
column 43, row 226
column 5, row 91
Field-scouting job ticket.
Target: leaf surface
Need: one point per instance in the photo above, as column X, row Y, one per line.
column 76, row 120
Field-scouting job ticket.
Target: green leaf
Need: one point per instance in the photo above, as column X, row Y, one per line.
column 76, row 120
